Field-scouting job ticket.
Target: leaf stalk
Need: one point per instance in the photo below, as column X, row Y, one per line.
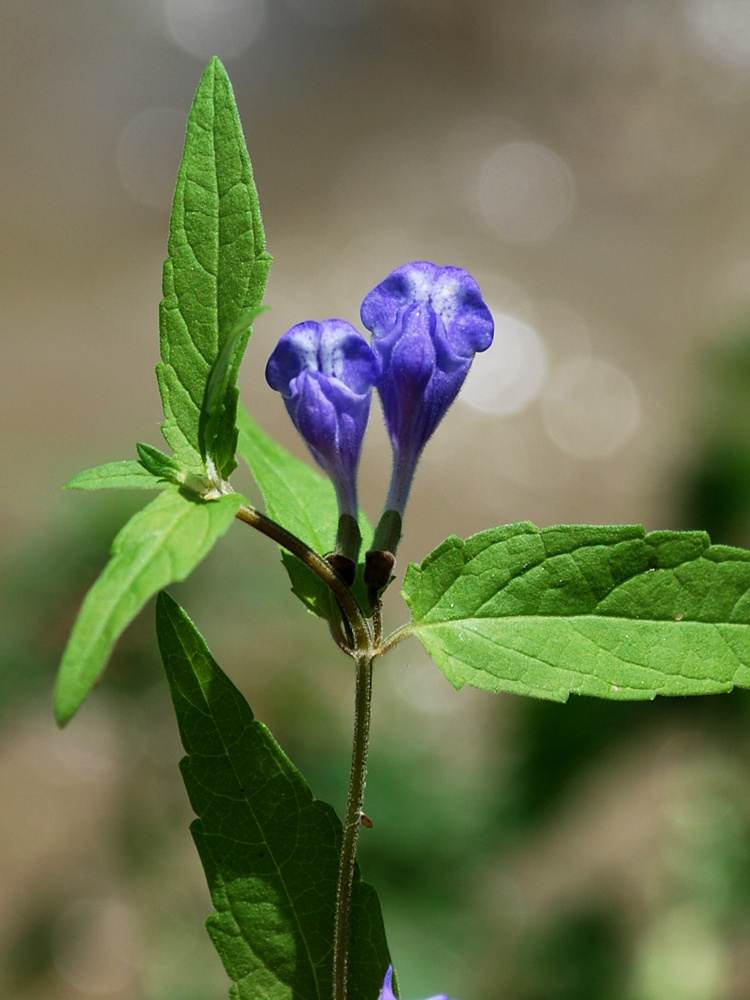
column 404, row 632
column 348, row 603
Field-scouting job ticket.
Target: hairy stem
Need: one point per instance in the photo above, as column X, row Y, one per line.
column 349, row 605
column 363, row 648
column 404, row 632
column 377, row 620
column 340, row 639
column 352, row 822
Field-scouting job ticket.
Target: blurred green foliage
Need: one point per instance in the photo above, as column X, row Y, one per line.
column 449, row 825
column 716, row 486
column 41, row 588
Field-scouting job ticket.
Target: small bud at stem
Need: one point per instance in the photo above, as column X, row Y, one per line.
column 378, row 570
column 345, row 567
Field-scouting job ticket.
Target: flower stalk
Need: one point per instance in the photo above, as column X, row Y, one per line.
column 350, row 609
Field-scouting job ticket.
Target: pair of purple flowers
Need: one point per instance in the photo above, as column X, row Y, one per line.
column 427, row 322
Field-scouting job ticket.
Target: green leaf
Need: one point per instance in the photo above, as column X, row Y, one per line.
column 303, row 501
column 123, row 475
column 159, row 464
column 218, row 426
column 295, row 494
column 605, row 611
column 217, row 265
column 162, row 543
column 268, row 848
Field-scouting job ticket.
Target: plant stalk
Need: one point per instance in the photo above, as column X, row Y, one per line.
column 387, row 644
column 352, row 823
column 363, row 653
column 321, row 567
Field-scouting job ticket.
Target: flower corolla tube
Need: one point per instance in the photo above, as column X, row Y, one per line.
column 325, row 373
column 427, row 323
column 387, row 992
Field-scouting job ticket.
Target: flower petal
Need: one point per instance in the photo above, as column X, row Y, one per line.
column 325, row 373
column 387, row 991
column 427, row 323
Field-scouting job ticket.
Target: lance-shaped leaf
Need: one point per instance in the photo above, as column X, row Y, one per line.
column 217, row 265
column 218, row 423
column 124, row 475
column 158, row 464
column 605, row 611
column 170, row 470
column 303, row 501
column 269, row 849
column 161, row 544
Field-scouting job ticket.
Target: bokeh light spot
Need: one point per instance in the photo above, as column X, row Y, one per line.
column 525, row 192
column 510, row 375
column 425, row 689
column 148, row 155
column 722, row 28
column 330, row 12
column 223, row 28
column 590, row 408
column 682, row 956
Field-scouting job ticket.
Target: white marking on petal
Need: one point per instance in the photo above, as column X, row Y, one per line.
column 332, row 357
column 446, row 297
column 444, row 292
column 306, row 344
column 422, row 285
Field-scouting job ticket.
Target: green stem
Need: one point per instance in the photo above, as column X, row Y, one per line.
column 377, row 620
column 404, row 632
column 352, row 822
column 363, row 654
column 321, row 567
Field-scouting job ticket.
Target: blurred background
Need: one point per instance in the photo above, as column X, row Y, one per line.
column 586, row 160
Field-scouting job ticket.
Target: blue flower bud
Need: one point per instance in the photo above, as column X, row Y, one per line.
column 427, row 323
column 325, row 373
column 387, row 992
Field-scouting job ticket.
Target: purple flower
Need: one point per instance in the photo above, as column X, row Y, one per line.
column 427, row 324
column 387, row 992
column 326, row 372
